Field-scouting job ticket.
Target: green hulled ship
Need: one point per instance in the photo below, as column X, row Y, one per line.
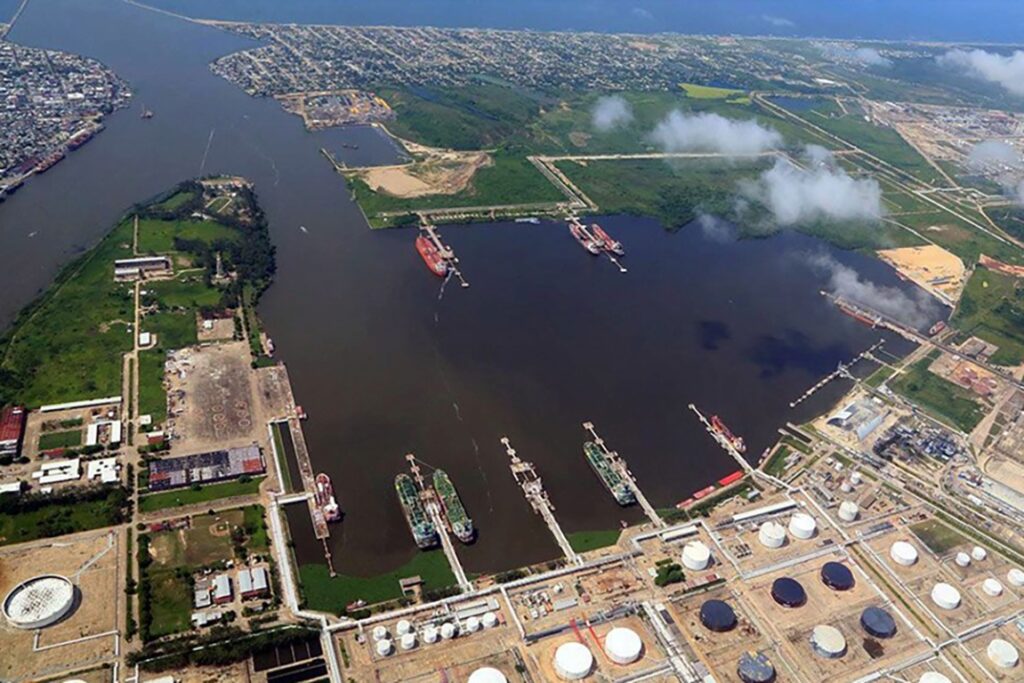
column 462, row 525
column 420, row 525
column 609, row 475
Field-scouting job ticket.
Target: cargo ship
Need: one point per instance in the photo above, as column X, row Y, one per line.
column 720, row 428
column 609, row 475
column 461, row 524
column 423, row 531
column 606, row 240
column 325, row 498
column 585, row 241
column 48, row 162
column 431, row 256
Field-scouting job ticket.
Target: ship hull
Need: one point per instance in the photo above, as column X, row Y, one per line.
column 420, row 526
column 428, row 252
column 611, row 479
column 451, row 504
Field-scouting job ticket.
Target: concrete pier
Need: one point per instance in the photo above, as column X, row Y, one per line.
column 722, row 441
column 433, row 507
column 842, row 370
column 620, row 466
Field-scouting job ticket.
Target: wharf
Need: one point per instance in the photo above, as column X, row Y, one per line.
column 723, row 442
column 620, row 466
column 433, row 508
column 528, row 479
column 842, row 370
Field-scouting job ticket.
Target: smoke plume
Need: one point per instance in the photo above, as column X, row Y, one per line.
column 868, row 56
column 1007, row 71
column 679, row 132
column 611, row 112
column 992, row 153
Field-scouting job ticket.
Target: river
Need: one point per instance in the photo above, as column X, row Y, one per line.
column 387, row 363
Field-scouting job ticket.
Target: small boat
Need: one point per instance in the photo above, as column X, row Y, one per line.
column 324, row 496
column 300, row 413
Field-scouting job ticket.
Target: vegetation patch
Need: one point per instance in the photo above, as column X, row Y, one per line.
column 199, row 494
column 947, row 401
column 69, row 439
column 32, row 516
column 707, row 92
column 938, row 537
column 158, row 236
column 584, row 541
column 152, row 395
column 992, row 308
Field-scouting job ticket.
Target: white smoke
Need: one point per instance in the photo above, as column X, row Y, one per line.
column 917, row 309
column 679, row 132
column 824, row 190
column 778, row 22
column 1007, row 71
column 716, row 229
column 992, row 153
column 868, row 56
column 611, row 112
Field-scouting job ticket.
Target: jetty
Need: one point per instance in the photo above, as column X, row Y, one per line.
column 433, row 507
column 619, row 465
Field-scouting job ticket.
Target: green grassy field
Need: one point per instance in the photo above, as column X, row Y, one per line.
column 332, row 595
column 707, row 92
column 256, row 528
column 58, row 518
column 878, row 376
column 208, row 540
column 175, row 201
column 776, row 463
column 939, row 538
column 583, row 541
column 947, row 401
column 188, row 291
column 171, row 603
column 168, row 499
column 157, row 236
column 992, row 308
column 67, row 439
column 282, row 458
column 152, row 395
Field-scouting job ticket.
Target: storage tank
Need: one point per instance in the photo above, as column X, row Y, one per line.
column 447, row 630
column 837, row 576
column 1002, row 653
column 963, row 560
column 489, row 620
column 1015, row 577
column 407, row 641
column 430, row 635
column 472, row 625
column 856, row 478
column 933, row 677
column 403, row 627
column 846, row 487
column 788, row 592
column 828, row 642
column 945, row 596
column 487, row 674
column 978, row 553
column 384, row 647
column 878, row 623
column 772, row 535
column 755, row 667
column 903, row 553
column 848, row 511
column 717, row 616
column 39, row 602
column 992, row 587
column 802, row 525
column 696, row 555
column 623, row 645
column 573, row 661
column 379, row 633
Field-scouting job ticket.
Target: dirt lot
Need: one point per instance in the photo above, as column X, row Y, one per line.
column 931, row 267
column 440, row 173
column 94, row 562
column 205, row 542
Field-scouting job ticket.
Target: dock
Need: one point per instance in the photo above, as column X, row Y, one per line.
column 444, row 250
column 320, row 527
column 528, row 479
column 433, row 507
column 620, row 466
column 842, row 370
column 723, row 442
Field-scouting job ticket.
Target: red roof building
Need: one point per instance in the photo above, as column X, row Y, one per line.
column 12, row 426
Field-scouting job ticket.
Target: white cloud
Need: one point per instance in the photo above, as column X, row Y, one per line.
column 679, row 132
column 1007, row 71
column 1019, row 193
column 992, row 152
column 778, row 22
column 867, row 56
column 716, row 229
column 915, row 308
column 823, row 191
column 611, row 112
column 641, row 13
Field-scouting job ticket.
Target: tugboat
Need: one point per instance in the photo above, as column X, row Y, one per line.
column 461, row 524
column 422, row 528
column 325, row 498
column 431, row 256
column 608, row 475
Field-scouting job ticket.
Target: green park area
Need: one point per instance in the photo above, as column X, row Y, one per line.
column 992, row 308
column 71, row 438
column 158, row 236
column 32, row 516
column 940, row 397
column 584, row 541
column 321, row 592
column 708, row 92
column 938, row 537
column 199, row 493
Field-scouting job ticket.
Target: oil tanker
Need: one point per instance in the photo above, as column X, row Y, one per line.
column 585, row 241
column 606, row 241
column 611, row 478
column 431, row 256
column 325, row 498
column 423, row 531
column 736, row 441
column 461, row 524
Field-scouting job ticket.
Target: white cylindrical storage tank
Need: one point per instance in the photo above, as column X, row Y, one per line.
column 384, row 647
column 828, row 641
column 489, row 620
column 856, row 478
column 487, row 674
column 1002, row 653
column 945, row 596
column 978, row 553
column 447, row 630
column 933, row 677
column 39, row 602
column 963, row 560
column 472, row 625
column 407, row 641
column 696, row 555
column 1015, row 577
column 802, row 525
column 992, row 587
column 430, row 635
column 573, row 661
column 403, row 627
column 848, row 511
column 845, row 487
column 903, row 553
column 379, row 633
column 623, row 645
column 771, row 535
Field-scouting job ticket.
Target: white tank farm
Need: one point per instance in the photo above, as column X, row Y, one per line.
column 403, row 627
column 487, row 674
column 1002, row 653
column 1015, row 577
column 978, row 553
column 489, row 620
column 472, row 625
column 903, row 553
column 384, row 647
column 407, row 641
column 623, row 645
column 848, row 511
column 39, row 602
column 696, row 555
column 992, row 587
column 802, row 525
column 447, row 630
column 430, row 635
column 933, row 677
column 962, row 560
column 856, row 478
column 771, row 535
column 828, row 642
column 379, row 633
column 945, row 596
column 573, row 661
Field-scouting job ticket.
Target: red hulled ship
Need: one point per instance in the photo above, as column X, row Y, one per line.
column 736, row 441
column 325, row 498
column 431, row 256
column 585, row 241
column 606, row 240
